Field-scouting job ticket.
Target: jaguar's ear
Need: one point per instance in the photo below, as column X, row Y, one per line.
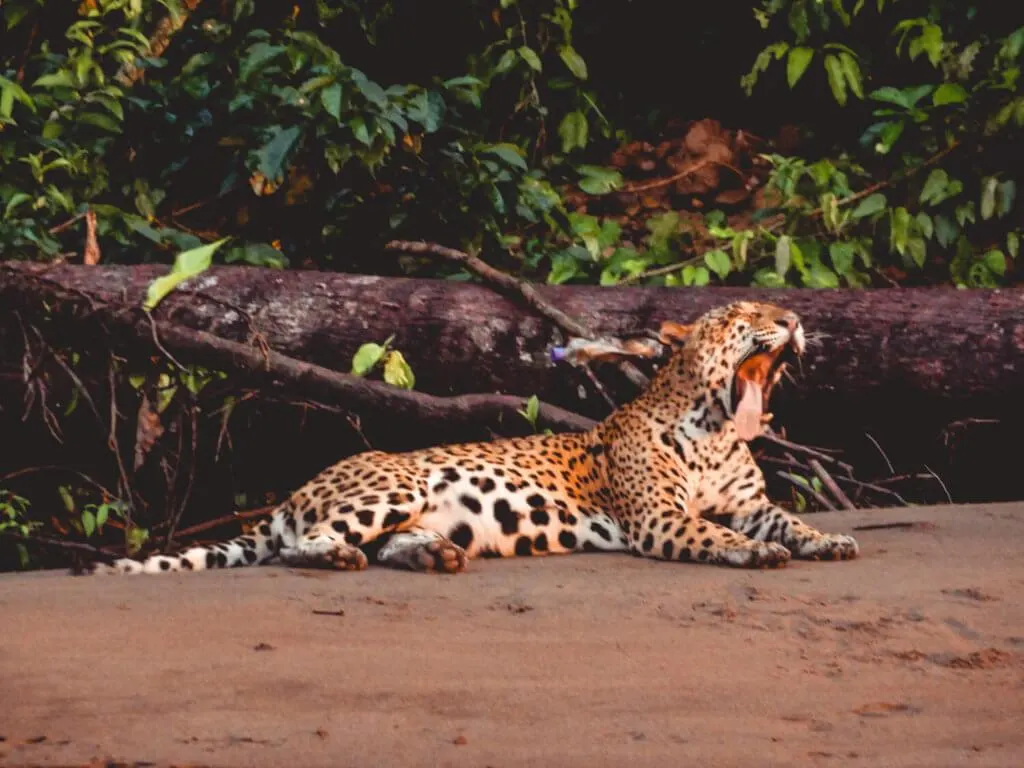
column 674, row 334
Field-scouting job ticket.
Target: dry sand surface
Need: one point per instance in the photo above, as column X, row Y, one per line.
column 912, row 655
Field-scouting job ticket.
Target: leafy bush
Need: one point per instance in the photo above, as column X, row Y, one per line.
column 288, row 128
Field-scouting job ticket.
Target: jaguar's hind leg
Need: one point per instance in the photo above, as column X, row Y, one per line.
column 419, row 549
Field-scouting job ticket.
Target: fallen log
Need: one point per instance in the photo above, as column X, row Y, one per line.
column 463, row 338
column 899, row 365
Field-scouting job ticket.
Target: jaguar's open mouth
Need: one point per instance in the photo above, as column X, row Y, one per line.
column 752, row 386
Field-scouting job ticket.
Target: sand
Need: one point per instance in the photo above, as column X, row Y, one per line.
column 912, row 655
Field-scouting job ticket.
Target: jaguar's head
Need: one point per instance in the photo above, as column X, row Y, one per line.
column 738, row 352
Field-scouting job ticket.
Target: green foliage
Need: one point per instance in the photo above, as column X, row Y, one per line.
column 284, row 128
column 13, row 518
column 396, row 369
column 250, row 111
column 187, row 264
column 931, row 200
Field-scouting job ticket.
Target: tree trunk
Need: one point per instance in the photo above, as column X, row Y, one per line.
column 463, row 338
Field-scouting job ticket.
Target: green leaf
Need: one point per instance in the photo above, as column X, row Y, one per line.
column 899, row 227
column 88, row 523
column 965, row 213
column 599, row 181
column 917, row 249
column 371, row 90
column 1006, row 193
column 257, row 56
column 851, row 71
column 508, row 153
column 701, row 277
column 257, row 255
column 783, row 255
column 836, row 78
column 768, row 278
column 797, row 62
column 949, row 93
column 397, row 372
column 61, row 79
column 367, row 356
column 271, row 156
column 16, row 200
column 186, row 264
column 106, row 122
column 820, row 276
column 988, row 197
column 532, row 410
column 842, row 255
column 718, row 262
column 928, row 42
column 1012, row 244
column 506, row 62
column 360, row 131
column 945, row 231
column 10, row 92
column 102, row 514
column 869, row 206
column 427, row 109
column 331, row 99
column 573, row 131
column 574, row 61
column 563, row 268
column 995, row 261
column 924, row 224
column 462, row 80
column 934, row 189
column 889, row 135
column 134, row 538
column 527, row 54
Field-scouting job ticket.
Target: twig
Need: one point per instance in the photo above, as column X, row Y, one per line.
column 69, row 223
column 509, row 284
column 71, row 546
column 815, row 452
column 319, row 612
column 248, row 514
column 115, row 448
column 497, row 278
column 315, row 381
column 20, row 76
column 180, row 505
column 876, row 187
column 805, row 486
column 55, row 468
column 892, row 470
column 599, row 387
column 873, row 487
column 158, row 345
column 658, row 271
column 945, row 490
column 829, row 482
column 692, row 168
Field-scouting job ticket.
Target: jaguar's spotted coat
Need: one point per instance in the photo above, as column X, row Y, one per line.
column 667, row 476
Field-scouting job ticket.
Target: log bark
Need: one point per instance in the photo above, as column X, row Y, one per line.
column 931, row 376
column 463, row 338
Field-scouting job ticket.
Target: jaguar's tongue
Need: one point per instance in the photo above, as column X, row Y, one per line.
column 751, row 379
column 748, row 411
